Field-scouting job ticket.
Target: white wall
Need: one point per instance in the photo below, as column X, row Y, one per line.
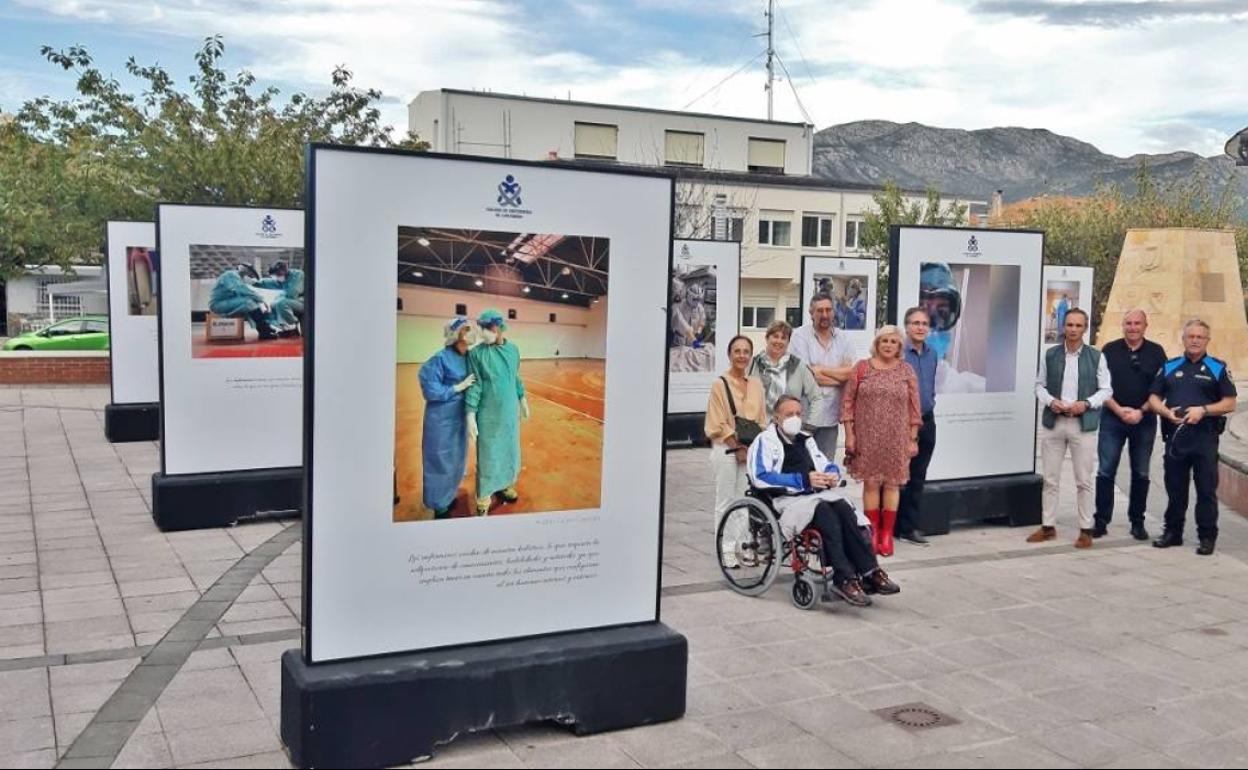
column 23, row 291
column 577, row 332
column 475, row 124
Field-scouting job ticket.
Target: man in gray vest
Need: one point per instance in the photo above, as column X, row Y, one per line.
column 1072, row 385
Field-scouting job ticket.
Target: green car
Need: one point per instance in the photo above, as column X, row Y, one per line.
column 88, row 332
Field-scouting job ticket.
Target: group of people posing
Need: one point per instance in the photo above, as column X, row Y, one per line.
column 234, row 295
column 773, row 420
column 472, row 390
column 795, row 395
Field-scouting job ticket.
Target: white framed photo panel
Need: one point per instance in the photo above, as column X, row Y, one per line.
column 454, row 238
column 133, row 272
column 853, row 284
column 229, row 400
column 703, row 316
column 982, row 290
column 1065, row 287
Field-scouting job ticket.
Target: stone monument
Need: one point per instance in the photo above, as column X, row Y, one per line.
column 1174, row 275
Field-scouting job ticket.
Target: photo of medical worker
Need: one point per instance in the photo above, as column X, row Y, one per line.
column 974, row 314
column 246, row 302
column 1059, row 297
column 500, row 373
column 142, row 270
column 851, row 307
column 691, row 339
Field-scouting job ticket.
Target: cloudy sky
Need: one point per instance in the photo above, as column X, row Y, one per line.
column 1126, row 75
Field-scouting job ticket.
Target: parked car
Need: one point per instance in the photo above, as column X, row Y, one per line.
column 88, row 332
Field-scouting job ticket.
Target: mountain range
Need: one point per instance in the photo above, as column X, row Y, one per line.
column 1023, row 162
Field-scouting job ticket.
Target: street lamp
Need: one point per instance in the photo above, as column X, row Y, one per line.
column 1237, row 147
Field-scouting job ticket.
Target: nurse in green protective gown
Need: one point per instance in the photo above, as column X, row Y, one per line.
column 495, row 403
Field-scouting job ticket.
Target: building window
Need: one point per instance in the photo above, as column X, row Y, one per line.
column 793, row 316
column 756, row 317
column 683, row 148
column 736, row 229
column 60, row 305
column 766, row 156
column 853, row 234
column 596, row 140
column 773, row 230
column 817, row 231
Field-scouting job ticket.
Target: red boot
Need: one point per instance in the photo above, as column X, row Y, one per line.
column 874, row 518
column 886, row 533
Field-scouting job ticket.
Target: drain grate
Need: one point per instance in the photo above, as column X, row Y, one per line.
column 915, row 717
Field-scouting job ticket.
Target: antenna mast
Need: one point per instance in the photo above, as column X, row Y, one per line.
column 771, row 55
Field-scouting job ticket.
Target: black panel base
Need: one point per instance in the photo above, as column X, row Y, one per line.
column 131, row 422
column 395, row 709
column 1013, row 498
column 685, row 429
column 205, row 500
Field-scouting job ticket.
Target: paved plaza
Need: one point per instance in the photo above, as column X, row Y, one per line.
column 122, row 646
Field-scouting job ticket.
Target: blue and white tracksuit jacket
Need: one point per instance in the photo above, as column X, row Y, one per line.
column 792, row 495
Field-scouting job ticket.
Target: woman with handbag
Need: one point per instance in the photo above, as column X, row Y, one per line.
column 735, row 415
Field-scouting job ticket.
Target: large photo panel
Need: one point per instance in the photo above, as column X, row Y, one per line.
column 1065, row 288
column 133, row 279
column 231, row 338
column 485, row 462
column 702, row 319
column 852, row 284
column 982, row 291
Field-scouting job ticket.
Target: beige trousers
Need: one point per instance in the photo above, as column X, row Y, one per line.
column 1068, row 433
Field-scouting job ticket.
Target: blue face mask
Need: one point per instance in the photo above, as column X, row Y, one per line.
column 939, row 341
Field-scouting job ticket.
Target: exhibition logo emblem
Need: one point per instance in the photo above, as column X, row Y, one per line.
column 268, row 227
column 684, row 252
column 509, row 202
column 509, row 192
column 973, row 244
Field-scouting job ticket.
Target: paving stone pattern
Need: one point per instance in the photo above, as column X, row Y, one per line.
column 1122, row 656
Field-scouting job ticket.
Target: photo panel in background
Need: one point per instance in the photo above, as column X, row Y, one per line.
column 981, row 289
column 550, row 293
column 852, row 284
column 486, row 417
column 702, row 317
column 133, row 275
column 231, row 345
column 1065, row 288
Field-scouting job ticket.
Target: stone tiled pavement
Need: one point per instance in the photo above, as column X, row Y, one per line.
column 1123, row 656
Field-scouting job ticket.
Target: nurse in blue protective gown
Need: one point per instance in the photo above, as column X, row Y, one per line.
column 444, row 440
column 495, row 403
column 233, row 297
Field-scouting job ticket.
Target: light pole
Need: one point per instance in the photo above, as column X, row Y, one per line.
column 1237, row 147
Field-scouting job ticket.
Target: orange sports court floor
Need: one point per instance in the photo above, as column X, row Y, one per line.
column 251, row 347
column 560, row 444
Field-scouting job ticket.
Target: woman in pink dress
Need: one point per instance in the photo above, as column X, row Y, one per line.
column 882, row 419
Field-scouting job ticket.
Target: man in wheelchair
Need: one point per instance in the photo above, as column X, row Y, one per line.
column 786, row 465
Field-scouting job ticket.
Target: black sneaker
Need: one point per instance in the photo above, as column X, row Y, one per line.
column 1205, row 548
column 1138, row 532
column 915, row 537
column 1099, row 531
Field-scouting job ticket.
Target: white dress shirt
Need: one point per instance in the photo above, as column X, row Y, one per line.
column 1070, row 381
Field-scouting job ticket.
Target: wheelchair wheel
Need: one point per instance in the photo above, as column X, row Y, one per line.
column 805, row 593
column 747, row 544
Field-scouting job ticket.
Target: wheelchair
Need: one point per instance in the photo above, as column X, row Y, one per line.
column 752, row 551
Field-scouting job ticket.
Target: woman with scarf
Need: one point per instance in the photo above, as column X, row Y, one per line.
column 783, row 373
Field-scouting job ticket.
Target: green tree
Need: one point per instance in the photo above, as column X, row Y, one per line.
column 894, row 207
column 109, row 153
column 1090, row 231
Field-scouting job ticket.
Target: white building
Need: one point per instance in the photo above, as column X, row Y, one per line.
column 32, row 300
column 528, row 128
column 757, row 172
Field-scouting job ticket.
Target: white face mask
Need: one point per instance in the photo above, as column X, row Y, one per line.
column 792, row 426
column 489, row 336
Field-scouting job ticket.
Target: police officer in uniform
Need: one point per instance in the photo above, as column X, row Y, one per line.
column 1193, row 394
